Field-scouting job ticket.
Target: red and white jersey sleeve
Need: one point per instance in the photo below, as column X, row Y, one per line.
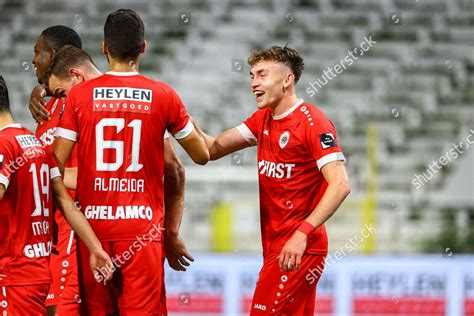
column 250, row 128
column 68, row 127
column 179, row 124
column 321, row 140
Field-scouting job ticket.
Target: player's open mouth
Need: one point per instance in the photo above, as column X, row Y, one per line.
column 259, row 95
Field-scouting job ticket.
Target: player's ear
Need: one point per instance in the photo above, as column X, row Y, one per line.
column 289, row 79
column 51, row 54
column 76, row 73
column 104, row 48
column 142, row 49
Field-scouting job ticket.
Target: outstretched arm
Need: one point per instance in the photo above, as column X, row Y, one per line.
column 224, row 144
column 195, row 147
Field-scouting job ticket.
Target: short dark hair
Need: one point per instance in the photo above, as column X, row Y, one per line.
column 66, row 58
column 60, row 35
column 124, row 34
column 285, row 55
column 4, row 100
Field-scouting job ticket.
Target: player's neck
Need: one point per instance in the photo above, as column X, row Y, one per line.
column 6, row 119
column 121, row 66
column 285, row 104
column 92, row 74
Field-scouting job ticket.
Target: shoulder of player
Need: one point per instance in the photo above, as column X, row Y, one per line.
column 162, row 87
column 14, row 130
column 261, row 114
column 155, row 85
column 53, row 101
column 312, row 113
column 8, row 136
column 5, row 137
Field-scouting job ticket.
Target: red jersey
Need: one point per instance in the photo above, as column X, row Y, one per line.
column 292, row 148
column 25, row 211
column 118, row 121
column 45, row 132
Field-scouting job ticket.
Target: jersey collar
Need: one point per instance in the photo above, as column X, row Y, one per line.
column 294, row 107
column 123, row 74
column 11, row 126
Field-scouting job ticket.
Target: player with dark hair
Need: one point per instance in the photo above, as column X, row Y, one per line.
column 64, row 295
column 301, row 178
column 118, row 121
column 124, row 35
column 25, row 228
column 72, row 66
column 48, row 43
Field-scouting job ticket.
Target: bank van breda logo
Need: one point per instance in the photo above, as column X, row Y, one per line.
column 122, row 99
column 284, row 139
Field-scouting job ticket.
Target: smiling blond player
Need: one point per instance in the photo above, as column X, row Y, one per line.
column 301, row 178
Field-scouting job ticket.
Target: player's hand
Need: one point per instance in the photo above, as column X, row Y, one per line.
column 101, row 265
column 291, row 254
column 37, row 104
column 176, row 253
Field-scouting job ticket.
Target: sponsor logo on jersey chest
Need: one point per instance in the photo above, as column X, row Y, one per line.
column 275, row 170
column 122, row 99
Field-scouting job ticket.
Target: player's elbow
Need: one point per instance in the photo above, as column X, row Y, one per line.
column 179, row 171
column 344, row 187
column 340, row 186
column 214, row 156
column 202, row 159
column 174, row 171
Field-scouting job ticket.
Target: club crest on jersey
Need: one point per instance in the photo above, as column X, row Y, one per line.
column 284, row 139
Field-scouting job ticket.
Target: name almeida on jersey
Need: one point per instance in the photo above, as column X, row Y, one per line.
column 119, row 185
